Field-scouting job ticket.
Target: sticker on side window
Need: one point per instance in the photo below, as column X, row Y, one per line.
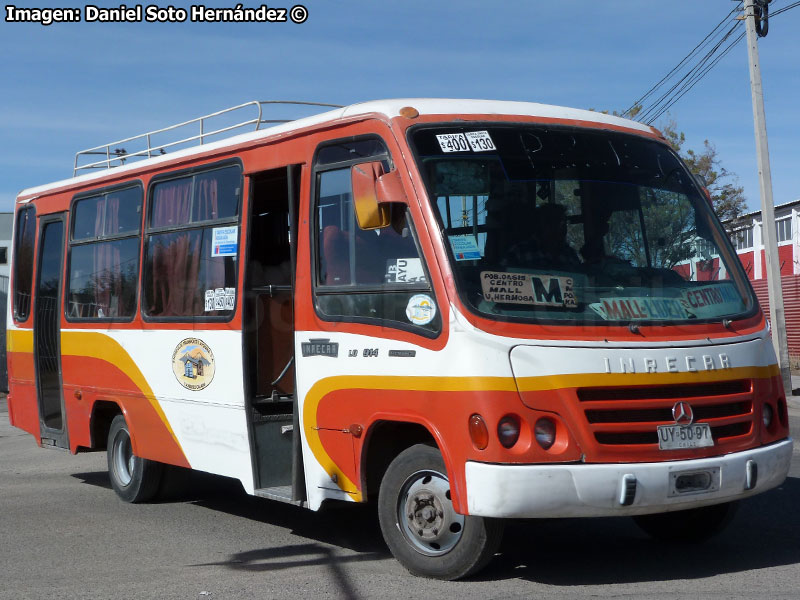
column 480, row 141
column 224, row 241
column 421, row 309
column 523, row 288
column 220, row 299
column 404, row 270
column 453, row 142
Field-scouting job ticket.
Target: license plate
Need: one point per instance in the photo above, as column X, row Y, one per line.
column 678, row 437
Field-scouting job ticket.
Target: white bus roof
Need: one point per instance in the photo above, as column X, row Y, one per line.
column 389, row 108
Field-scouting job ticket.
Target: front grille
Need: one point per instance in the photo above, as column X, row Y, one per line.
column 629, row 416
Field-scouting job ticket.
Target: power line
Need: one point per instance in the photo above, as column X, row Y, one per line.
column 694, row 80
column 785, row 8
column 686, row 80
column 702, row 43
column 695, row 74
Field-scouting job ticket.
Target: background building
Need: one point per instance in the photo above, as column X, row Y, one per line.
column 748, row 240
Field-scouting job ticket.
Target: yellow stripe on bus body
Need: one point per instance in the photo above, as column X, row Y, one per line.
column 19, row 340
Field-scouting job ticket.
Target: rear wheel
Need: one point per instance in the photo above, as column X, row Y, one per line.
column 420, row 525
column 133, row 478
column 693, row 525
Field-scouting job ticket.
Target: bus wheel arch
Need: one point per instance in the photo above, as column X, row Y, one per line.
column 133, row 478
column 103, row 413
column 384, row 440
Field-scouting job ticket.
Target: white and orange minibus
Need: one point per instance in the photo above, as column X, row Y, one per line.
column 463, row 310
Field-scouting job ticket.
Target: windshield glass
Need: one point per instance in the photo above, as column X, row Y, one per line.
column 567, row 224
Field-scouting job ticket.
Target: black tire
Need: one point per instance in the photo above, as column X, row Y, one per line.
column 420, row 526
column 133, row 478
column 688, row 526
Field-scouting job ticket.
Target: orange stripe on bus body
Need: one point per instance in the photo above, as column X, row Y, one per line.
column 97, row 365
column 103, row 364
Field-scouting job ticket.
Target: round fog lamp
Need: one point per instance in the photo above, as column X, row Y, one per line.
column 545, row 432
column 508, row 430
column 766, row 414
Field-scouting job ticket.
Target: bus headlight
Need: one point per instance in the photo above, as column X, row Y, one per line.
column 545, row 432
column 508, row 430
column 767, row 414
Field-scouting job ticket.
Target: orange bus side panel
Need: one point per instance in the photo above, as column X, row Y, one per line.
column 443, row 405
column 150, row 434
column 23, row 403
column 338, row 445
column 23, row 408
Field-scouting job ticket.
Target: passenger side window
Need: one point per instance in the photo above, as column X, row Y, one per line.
column 192, row 245
column 104, row 255
column 25, row 236
column 367, row 274
column 352, row 256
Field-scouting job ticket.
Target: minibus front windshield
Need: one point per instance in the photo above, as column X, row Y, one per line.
column 566, row 224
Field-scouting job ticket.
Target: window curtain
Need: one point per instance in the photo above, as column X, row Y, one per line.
column 182, row 267
column 212, row 270
column 206, row 205
column 108, row 275
column 176, row 265
column 171, row 203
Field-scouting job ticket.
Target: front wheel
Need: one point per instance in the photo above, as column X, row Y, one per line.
column 420, row 525
column 691, row 526
column 133, row 478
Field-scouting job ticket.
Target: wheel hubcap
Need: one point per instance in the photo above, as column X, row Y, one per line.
column 426, row 516
column 123, row 457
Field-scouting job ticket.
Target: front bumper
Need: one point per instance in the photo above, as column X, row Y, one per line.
column 599, row 490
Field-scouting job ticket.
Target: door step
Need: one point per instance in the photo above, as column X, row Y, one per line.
column 52, row 444
column 281, row 493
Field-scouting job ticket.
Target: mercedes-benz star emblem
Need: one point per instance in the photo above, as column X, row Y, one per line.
column 682, row 413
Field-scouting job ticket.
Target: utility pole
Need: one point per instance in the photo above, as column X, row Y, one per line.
column 767, row 205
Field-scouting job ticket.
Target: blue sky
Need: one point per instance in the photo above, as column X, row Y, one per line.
column 71, row 86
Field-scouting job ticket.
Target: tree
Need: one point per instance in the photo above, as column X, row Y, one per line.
column 727, row 197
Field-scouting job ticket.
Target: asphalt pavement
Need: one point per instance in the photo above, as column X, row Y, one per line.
column 64, row 534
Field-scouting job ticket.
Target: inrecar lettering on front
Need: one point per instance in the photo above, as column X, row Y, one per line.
column 320, row 347
column 524, row 288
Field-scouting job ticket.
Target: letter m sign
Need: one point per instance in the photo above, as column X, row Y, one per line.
column 547, row 291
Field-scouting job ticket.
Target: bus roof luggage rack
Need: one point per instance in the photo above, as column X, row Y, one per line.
column 115, row 155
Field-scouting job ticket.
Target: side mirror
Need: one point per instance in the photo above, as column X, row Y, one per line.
column 373, row 193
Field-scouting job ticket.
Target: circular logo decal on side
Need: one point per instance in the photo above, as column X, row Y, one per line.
column 193, row 364
column 421, row 309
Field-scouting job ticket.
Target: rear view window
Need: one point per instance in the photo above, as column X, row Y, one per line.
column 23, row 262
column 104, row 255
